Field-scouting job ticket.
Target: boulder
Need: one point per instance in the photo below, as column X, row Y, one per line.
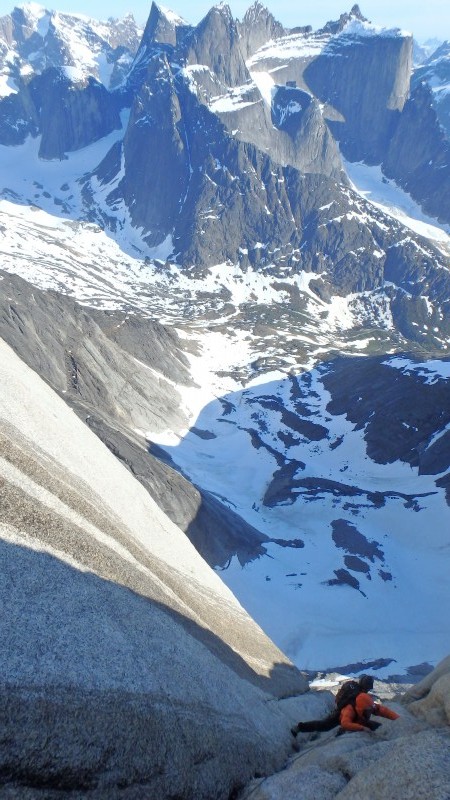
column 415, row 768
column 430, row 699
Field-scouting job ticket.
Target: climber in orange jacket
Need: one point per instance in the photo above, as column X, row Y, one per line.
column 356, row 717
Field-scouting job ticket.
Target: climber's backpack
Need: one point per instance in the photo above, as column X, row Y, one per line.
column 347, row 693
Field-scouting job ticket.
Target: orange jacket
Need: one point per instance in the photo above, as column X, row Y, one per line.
column 353, row 718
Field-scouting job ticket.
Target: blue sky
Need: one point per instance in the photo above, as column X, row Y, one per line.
column 425, row 18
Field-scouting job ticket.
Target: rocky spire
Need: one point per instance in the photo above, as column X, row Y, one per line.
column 161, row 27
column 337, row 26
column 258, row 27
column 215, row 43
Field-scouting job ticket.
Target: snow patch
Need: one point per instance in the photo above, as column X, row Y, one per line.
column 171, row 16
column 361, row 28
column 372, row 185
column 433, row 370
column 7, row 86
column 265, row 85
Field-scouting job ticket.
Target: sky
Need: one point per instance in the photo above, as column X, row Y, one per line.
column 425, row 18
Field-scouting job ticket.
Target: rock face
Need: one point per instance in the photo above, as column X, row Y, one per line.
column 168, row 192
column 163, row 31
column 214, row 198
column 154, row 187
column 417, row 412
column 337, row 26
column 100, row 363
column 430, row 699
column 215, row 43
column 228, row 190
column 258, row 26
column 71, row 117
column 18, row 116
column 161, row 28
column 393, row 117
column 191, row 163
column 408, row 127
column 292, row 129
column 312, row 150
column 93, row 362
column 68, row 115
column 418, row 155
column 126, row 619
column 418, row 767
column 435, row 72
column 362, row 114
column 329, row 64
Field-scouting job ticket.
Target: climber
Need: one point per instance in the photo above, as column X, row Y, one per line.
column 354, row 707
column 357, row 716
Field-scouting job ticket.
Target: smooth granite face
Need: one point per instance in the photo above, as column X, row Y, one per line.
column 115, row 629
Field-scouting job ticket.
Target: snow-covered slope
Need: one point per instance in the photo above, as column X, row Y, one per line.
column 358, row 564
column 423, row 50
column 33, row 39
column 375, row 187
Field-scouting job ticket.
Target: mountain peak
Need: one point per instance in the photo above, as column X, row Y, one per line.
column 32, row 8
column 161, row 26
column 336, row 26
column 258, row 27
column 223, row 9
column 169, row 15
column 215, row 43
column 128, row 17
column 218, row 18
column 32, row 11
column 255, row 9
column 442, row 53
column 356, row 12
column 255, row 12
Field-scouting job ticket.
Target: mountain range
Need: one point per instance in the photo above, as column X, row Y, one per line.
column 226, row 248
